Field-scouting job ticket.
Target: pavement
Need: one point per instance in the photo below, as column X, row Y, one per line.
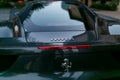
column 115, row 14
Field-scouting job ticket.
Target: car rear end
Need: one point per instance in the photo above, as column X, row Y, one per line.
column 57, row 36
column 61, row 31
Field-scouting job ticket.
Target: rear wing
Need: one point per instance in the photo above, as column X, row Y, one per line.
column 90, row 19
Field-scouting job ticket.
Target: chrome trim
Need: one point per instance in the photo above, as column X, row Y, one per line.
column 61, row 39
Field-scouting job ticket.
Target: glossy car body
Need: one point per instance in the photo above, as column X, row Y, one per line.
column 45, row 35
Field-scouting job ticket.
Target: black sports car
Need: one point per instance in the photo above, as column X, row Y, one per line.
column 50, row 36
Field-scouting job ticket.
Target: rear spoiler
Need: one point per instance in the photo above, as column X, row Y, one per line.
column 93, row 16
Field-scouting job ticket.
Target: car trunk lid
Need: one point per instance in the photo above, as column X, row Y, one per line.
column 53, row 37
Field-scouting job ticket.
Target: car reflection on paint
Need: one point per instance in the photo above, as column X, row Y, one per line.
column 58, row 38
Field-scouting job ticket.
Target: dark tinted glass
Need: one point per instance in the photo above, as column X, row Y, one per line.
column 54, row 14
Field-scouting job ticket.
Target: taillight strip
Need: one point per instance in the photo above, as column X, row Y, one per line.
column 64, row 47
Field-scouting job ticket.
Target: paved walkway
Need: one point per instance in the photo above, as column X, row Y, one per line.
column 115, row 14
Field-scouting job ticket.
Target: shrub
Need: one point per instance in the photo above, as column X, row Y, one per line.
column 111, row 6
column 5, row 5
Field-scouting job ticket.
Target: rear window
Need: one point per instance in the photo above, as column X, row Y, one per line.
column 56, row 14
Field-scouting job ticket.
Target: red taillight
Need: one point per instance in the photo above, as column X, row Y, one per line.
column 64, row 47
